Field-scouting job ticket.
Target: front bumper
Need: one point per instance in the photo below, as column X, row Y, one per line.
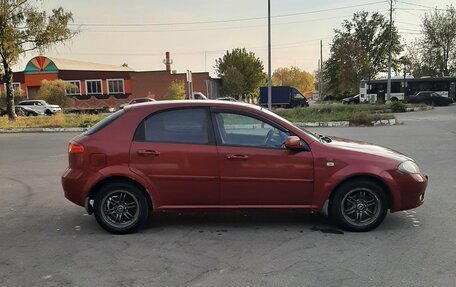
column 408, row 190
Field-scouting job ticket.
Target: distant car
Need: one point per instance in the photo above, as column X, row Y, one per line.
column 137, row 101
column 26, row 111
column 21, row 111
column 40, row 106
column 229, row 99
column 205, row 155
column 430, row 98
column 351, row 100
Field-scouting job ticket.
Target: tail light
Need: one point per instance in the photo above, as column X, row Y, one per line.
column 75, row 148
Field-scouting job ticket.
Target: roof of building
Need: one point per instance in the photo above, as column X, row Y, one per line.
column 65, row 64
column 48, row 64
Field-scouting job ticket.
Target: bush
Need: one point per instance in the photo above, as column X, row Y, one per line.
column 398, row 107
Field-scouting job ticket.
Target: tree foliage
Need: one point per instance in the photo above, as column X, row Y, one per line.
column 53, row 92
column 295, row 77
column 439, row 42
column 241, row 73
column 23, row 27
column 359, row 51
column 176, row 91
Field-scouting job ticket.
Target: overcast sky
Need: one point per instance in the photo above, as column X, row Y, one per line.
column 139, row 32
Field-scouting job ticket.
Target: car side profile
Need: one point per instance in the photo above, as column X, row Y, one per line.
column 40, row 106
column 205, row 155
column 430, row 98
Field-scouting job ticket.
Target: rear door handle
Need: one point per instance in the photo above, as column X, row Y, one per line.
column 146, row 152
column 237, row 156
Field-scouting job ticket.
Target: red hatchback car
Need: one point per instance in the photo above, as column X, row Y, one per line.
column 182, row 155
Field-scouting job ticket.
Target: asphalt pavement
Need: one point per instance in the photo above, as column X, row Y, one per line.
column 46, row 240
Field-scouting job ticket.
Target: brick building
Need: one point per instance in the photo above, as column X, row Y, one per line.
column 99, row 85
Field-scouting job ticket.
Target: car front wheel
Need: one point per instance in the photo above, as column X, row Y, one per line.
column 359, row 205
column 121, row 208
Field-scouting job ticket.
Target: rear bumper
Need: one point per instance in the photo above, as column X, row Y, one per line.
column 77, row 184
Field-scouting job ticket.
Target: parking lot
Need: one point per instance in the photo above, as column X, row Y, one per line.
column 45, row 240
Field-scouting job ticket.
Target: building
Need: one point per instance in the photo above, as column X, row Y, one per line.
column 99, row 85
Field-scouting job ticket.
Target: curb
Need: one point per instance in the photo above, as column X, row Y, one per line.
column 42, row 130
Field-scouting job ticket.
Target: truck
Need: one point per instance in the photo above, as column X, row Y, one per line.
column 283, row 97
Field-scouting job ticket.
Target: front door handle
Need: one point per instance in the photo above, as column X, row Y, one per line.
column 146, row 152
column 237, row 156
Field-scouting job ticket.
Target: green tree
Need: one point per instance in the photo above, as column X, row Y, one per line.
column 438, row 44
column 241, row 73
column 359, row 51
column 24, row 28
column 53, row 92
column 176, row 91
column 295, row 77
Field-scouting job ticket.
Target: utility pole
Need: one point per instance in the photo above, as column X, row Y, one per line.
column 388, row 87
column 320, row 78
column 269, row 57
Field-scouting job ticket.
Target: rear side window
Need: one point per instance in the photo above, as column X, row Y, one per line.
column 177, row 126
column 104, row 122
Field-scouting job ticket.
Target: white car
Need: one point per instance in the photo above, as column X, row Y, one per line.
column 41, row 107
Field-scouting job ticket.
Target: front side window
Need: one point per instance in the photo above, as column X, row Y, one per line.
column 94, row 87
column 73, row 88
column 188, row 126
column 241, row 130
column 115, row 86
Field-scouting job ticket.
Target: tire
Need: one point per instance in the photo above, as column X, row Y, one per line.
column 124, row 200
column 48, row 113
column 358, row 205
column 394, row 99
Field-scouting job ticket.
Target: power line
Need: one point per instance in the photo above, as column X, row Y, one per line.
column 215, row 28
column 223, row 21
column 414, row 4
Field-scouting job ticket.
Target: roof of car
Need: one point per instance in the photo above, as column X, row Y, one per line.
column 192, row 103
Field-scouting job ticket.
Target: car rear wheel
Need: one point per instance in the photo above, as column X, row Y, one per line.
column 358, row 205
column 121, row 208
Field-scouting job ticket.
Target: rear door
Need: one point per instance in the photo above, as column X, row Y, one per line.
column 176, row 150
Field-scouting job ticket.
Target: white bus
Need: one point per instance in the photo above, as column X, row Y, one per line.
column 375, row 90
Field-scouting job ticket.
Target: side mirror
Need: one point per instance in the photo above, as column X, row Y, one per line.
column 293, row 143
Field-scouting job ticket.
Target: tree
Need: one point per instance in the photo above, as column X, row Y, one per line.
column 53, row 92
column 24, row 28
column 241, row 73
column 176, row 91
column 439, row 42
column 300, row 79
column 360, row 51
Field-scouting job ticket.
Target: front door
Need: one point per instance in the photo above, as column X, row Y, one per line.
column 256, row 168
column 176, row 151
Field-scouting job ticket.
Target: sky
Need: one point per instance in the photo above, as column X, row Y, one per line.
column 197, row 32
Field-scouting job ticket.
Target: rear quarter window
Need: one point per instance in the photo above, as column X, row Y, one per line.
column 104, row 123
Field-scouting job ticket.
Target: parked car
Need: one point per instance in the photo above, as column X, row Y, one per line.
column 187, row 155
column 199, row 96
column 351, row 100
column 40, row 106
column 137, row 101
column 283, row 97
column 26, row 111
column 430, row 98
column 21, row 111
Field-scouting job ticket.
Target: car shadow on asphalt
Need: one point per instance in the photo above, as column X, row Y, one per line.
column 251, row 220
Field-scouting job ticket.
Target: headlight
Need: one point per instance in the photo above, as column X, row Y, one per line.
column 409, row 167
